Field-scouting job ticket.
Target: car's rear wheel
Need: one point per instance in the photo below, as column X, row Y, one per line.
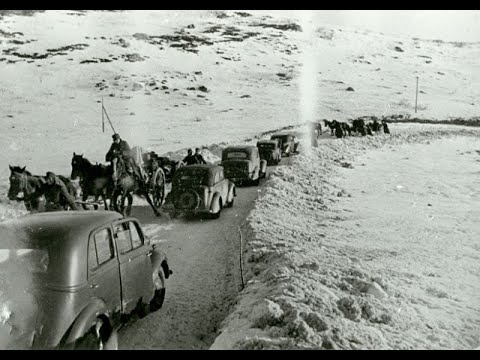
column 230, row 203
column 99, row 337
column 158, row 300
column 159, row 296
column 142, row 309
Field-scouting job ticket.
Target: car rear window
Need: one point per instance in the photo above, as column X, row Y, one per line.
column 237, row 155
column 192, row 177
column 266, row 146
column 30, row 260
column 282, row 138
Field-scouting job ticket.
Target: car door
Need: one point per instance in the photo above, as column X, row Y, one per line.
column 103, row 269
column 135, row 264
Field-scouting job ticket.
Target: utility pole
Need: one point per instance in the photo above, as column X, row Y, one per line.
column 416, row 97
column 103, row 119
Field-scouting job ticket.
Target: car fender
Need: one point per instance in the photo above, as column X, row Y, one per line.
column 159, row 259
column 232, row 188
column 263, row 166
column 214, row 202
column 256, row 172
column 230, row 193
column 86, row 319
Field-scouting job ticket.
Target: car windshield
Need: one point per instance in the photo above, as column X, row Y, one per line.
column 191, row 177
column 266, row 146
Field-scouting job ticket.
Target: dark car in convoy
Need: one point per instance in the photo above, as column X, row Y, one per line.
column 68, row 278
column 242, row 164
column 270, row 151
column 288, row 143
column 201, row 189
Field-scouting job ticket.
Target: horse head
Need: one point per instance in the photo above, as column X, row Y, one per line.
column 78, row 166
column 18, row 182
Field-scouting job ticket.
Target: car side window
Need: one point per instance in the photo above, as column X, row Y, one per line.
column 137, row 239
column 104, row 246
column 122, row 235
column 92, row 255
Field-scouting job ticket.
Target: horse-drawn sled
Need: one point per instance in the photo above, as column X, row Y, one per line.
column 116, row 183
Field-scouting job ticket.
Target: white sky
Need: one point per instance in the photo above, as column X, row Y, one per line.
column 448, row 25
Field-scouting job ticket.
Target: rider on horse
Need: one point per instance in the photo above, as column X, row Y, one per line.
column 121, row 149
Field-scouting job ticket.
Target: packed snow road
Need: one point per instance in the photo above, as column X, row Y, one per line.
column 204, row 256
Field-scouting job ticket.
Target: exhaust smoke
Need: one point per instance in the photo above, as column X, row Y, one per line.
column 307, row 81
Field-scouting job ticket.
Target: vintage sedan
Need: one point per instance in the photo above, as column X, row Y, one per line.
column 198, row 189
column 288, row 143
column 270, row 151
column 242, row 164
column 69, row 278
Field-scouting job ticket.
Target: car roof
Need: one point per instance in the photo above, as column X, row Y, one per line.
column 71, row 224
column 283, row 134
column 64, row 234
column 265, row 141
column 248, row 148
column 199, row 166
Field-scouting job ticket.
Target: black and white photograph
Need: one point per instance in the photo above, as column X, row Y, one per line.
column 240, row 180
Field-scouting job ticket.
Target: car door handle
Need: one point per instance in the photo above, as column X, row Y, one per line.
column 93, row 286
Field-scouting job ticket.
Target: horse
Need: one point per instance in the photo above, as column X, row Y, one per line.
column 95, row 180
column 126, row 184
column 346, row 129
column 358, row 126
column 331, row 125
column 36, row 196
column 22, row 181
column 375, row 125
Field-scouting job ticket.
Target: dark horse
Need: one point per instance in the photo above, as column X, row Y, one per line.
column 22, row 181
column 127, row 184
column 35, row 196
column 332, row 125
column 95, row 180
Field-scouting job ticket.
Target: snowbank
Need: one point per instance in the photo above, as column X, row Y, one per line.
column 315, row 264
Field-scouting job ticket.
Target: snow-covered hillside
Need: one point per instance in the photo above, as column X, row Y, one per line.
column 368, row 243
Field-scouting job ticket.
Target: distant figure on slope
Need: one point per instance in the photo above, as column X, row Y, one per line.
column 385, row 127
column 190, row 158
column 369, row 129
column 338, row 129
column 198, row 157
